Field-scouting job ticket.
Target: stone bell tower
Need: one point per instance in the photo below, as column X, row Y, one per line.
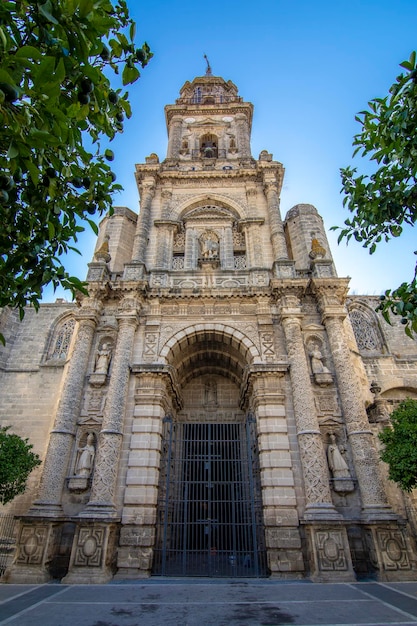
column 212, row 416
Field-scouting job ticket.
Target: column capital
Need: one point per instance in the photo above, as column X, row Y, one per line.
column 330, row 291
column 155, row 380
column 128, row 310
column 288, row 294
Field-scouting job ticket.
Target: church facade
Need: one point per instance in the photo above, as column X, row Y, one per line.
column 212, row 407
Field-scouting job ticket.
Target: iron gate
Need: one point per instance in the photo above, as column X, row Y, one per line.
column 209, row 509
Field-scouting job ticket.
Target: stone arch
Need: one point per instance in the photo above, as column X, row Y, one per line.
column 60, row 337
column 366, row 327
column 210, row 348
column 237, row 209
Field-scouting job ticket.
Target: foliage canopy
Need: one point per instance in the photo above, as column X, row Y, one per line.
column 400, row 445
column 57, row 106
column 16, row 463
column 385, row 201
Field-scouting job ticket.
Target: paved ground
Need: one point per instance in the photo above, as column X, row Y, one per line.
column 203, row 602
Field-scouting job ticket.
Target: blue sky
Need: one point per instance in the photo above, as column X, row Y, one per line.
column 308, row 67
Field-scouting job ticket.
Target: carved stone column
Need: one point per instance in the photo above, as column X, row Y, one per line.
column 282, row 535
column 250, row 227
column 174, row 139
column 313, row 458
column 103, row 489
column 365, row 456
column 147, row 191
column 279, row 246
column 191, row 251
column 227, row 249
column 153, row 401
column 61, row 439
column 243, row 135
column 166, row 231
column 166, row 195
column 40, row 531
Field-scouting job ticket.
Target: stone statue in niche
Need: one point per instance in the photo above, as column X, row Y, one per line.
column 321, row 373
column 210, row 394
column 84, row 465
column 103, row 359
column 317, row 361
column 209, row 247
column 342, row 479
column 85, row 460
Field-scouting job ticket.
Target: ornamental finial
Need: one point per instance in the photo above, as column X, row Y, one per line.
column 208, row 70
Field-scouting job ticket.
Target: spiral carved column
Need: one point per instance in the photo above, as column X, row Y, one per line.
column 365, row 456
column 313, row 458
column 55, row 468
column 107, row 460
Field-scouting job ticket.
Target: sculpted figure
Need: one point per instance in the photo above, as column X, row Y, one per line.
column 317, row 361
column 103, row 359
column 210, row 393
column 337, row 463
column 86, row 456
column 209, row 248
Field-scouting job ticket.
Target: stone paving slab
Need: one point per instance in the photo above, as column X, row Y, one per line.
column 199, row 603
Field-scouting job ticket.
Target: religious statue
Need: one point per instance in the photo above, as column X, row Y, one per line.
column 337, row 463
column 210, row 393
column 316, row 357
column 85, row 461
column 103, row 359
column 209, row 247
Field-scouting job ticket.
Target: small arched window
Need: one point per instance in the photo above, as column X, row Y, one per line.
column 366, row 333
column 61, row 340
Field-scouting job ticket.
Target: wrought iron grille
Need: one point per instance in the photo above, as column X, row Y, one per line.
column 209, row 509
column 8, row 525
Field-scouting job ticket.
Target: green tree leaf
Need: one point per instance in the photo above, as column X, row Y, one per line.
column 383, row 202
column 50, row 113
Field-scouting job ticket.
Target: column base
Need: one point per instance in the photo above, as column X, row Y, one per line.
column 321, row 512
column 100, row 511
column 378, row 513
column 46, row 509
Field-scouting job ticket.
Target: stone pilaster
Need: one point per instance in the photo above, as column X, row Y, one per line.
column 137, row 537
column 61, row 438
column 103, row 489
column 282, row 536
column 315, row 471
column 279, row 246
column 243, row 135
column 331, row 297
column 227, row 251
column 251, row 228
column 190, row 253
column 147, row 191
column 166, row 195
column 166, row 230
column 174, row 139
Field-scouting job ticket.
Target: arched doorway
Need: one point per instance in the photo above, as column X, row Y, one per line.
column 209, row 514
